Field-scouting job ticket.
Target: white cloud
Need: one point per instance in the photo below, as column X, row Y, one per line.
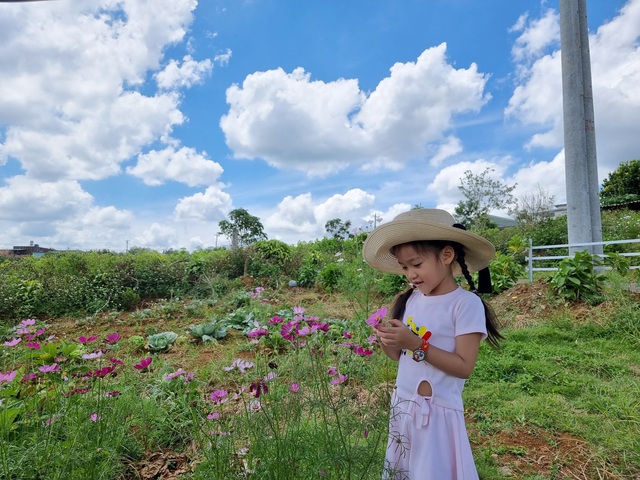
column 615, row 70
column 157, row 236
column 536, row 36
column 293, row 122
column 184, row 165
column 304, row 216
column 191, row 72
column 223, row 58
column 25, row 199
column 211, row 205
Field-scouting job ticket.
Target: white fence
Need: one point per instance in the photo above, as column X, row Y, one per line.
column 531, row 258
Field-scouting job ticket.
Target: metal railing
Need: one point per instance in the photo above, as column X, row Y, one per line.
column 531, row 258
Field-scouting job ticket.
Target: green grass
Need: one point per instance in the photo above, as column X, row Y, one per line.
column 560, row 399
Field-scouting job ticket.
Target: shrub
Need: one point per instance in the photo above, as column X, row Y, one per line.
column 329, row 277
column 505, row 272
column 577, row 279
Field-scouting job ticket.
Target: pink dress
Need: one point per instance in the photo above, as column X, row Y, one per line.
column 427, row 435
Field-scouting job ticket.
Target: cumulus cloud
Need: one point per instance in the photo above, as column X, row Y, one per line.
column 615, row 68
column 184, row 165
column 191, row 72
column 318, row 127
column 211, row 205
column 305, row 215
column 25, row 199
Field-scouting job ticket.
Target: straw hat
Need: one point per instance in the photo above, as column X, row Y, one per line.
column 424, row 224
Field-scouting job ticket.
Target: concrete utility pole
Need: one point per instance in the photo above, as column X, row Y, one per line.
column 581, row 167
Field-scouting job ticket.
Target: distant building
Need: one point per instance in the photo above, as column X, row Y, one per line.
column 33, row 249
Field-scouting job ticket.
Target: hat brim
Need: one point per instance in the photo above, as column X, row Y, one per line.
column 377, row 247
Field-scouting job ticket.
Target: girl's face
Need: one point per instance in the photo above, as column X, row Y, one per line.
column 429, row 273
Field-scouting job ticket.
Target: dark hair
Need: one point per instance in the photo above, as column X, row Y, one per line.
column 434, row 247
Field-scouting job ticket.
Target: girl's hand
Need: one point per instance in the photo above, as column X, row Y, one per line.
column 397, row 335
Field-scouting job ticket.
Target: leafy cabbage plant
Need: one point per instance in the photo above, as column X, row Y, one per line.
column 208, row 331
column 161, row 342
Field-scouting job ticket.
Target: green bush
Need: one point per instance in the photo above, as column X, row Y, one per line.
column 329, row 277
column 505, row 272
column 577, row 279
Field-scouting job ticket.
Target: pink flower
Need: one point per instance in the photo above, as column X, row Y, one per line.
column 115, row 361
column 49, row 368
column 258, row 332
column 39, row 332
column 144, row 363
column 240, row 364
column 294, row 387
column 33, row 345
column 29, row 376
column 288, row 330
column 189, row 377
column 112, row 338
column 76, row 391
column 298, row 310
column 94, row 417
column 115, row 393
column 372, row 339
column 332, row 371
column 376, row 317
column 275, row 320
column 27, row 322
column 93, row 355
column 359, row 350
column 8, row 376
column 83, row 339
column 255, row 406
column 213, row 416
column 339, row 379
column 12, row 343
column 347, row 335
column 22, row 331
column 304, row 331
column 175, row 374
column 101, row 372
column 219, row 396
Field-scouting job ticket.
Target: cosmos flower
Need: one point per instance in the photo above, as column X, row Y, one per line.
column 112, row 338
column 83, row 339
column 49, row 368
column 294, row 387
column 219, row 396
column 12, row 343
column 376, row 317
column 144, row 363
column 8, row 376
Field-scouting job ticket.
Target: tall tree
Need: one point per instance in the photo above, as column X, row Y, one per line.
column 242, row 228
column 534, row 207
column 482, row 195
column 338, row 229
column 622, row 185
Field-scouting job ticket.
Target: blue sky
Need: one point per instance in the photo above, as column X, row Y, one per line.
column 144, row 123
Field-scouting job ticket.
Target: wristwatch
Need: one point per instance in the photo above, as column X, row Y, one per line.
column 420, row 354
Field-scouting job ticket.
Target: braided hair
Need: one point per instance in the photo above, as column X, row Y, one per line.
column 434, row 247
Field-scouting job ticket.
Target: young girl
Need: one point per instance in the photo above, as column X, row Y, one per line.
column 427, row 435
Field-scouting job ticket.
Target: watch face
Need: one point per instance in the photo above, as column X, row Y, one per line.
column 419, row 355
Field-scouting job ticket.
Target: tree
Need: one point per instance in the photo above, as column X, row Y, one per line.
column 622, row 185
column 242, row 228
column 482, row 195
column 534, row 207
column 338, row 229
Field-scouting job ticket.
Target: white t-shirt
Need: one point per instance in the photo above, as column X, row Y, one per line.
column 446, row 316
